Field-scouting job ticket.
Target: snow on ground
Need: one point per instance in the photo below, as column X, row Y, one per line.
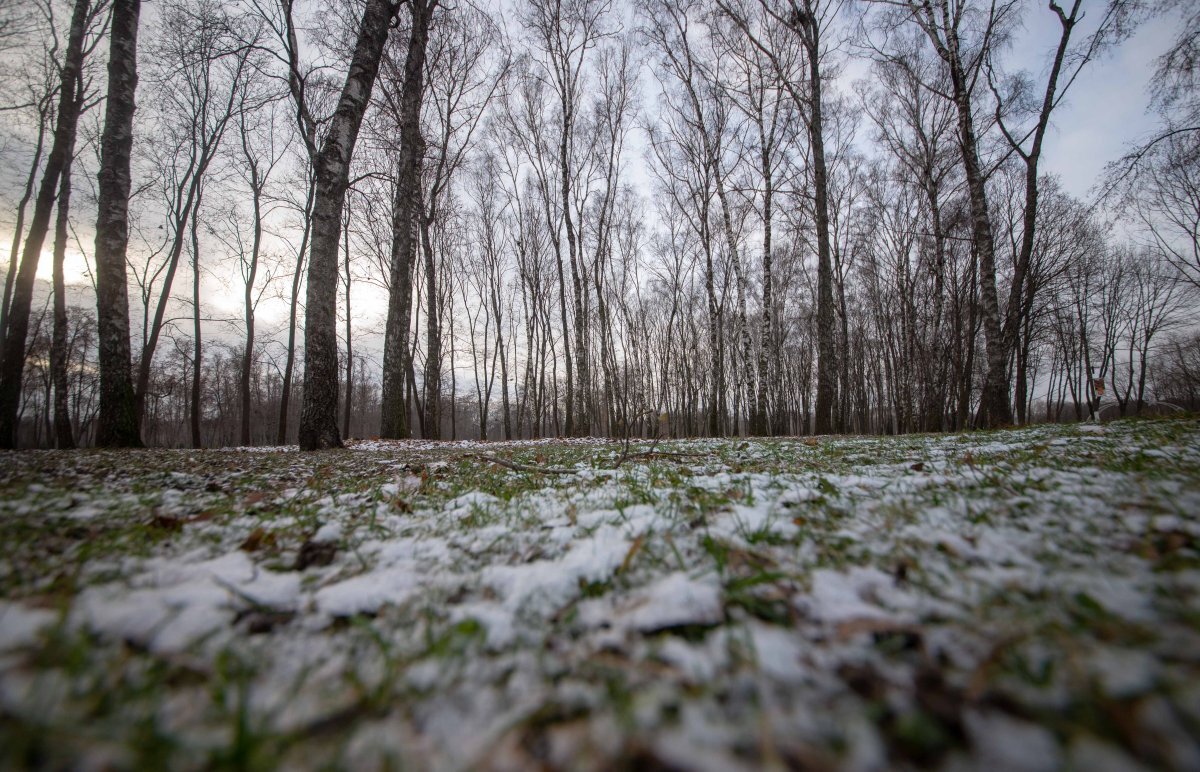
column 1027, row 599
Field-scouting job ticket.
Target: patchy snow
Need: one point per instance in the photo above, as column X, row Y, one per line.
column 21, row 626
column 674, row 601
column 838, row 596
column 175, row 605
column 963, row 601
column 542, row 587
column 367, row 593
column 1006, row 744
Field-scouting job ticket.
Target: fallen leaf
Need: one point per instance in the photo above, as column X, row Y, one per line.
column 166, row 522
column 258, row 539
column 633, row 550
column 315, row 553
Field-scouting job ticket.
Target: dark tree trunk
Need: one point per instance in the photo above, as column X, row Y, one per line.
column 17, row 322
column 717, row 389
column 256, row 185
column 285, row 392
column 197, row 338
column 826, row 350
column 394, row 417
column 432, row 425
column 1023, row 288
column 117, row 425
column 60, row 352
column 19, row 225
column 318, row 417
column 583, row 401
column 994, row 407
column 768, row 354
column 504, row 400
column 349, row 406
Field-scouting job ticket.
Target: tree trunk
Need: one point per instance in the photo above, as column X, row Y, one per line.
column 19, row 225
column 285, row 392
column 349, row 406
column 995, row 409
column 60, row 352
column 69, row 105
column 197, row 338
column 394, row 415
column 318, row 418
column 826, row 350
column 504, row 400
column 117, row 425
column 432, row 426
column 583, row 401
column 248, row 351
column 1022, row 281
column 768, row 354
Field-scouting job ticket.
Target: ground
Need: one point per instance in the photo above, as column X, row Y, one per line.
column 1020, row 599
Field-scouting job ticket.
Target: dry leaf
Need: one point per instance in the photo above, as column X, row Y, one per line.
column 257, row 539
column 633, row 550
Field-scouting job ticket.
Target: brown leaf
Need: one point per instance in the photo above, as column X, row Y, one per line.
column 258, row 539
column 315, row 553
column 633, row 550
column 166, row 522
column 257, row 497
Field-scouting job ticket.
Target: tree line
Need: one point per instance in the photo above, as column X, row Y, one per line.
column 581, row 217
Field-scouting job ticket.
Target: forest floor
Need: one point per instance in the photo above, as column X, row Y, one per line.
column 1023, row 599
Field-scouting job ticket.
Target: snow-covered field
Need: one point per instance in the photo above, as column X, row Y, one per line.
column 1025, row 599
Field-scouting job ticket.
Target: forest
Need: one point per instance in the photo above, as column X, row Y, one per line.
column 261, row 222
column 708, row 385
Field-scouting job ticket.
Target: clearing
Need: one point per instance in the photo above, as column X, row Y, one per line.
column 1020, row 599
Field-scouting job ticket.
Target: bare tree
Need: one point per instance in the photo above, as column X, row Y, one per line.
column 318, row 419
column 565, row 31
column 202, row 72
column 44, row 107
column 1166, row 200
column 405, row 218
column 261, row 152
column 70, row 103
column 963, row 34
